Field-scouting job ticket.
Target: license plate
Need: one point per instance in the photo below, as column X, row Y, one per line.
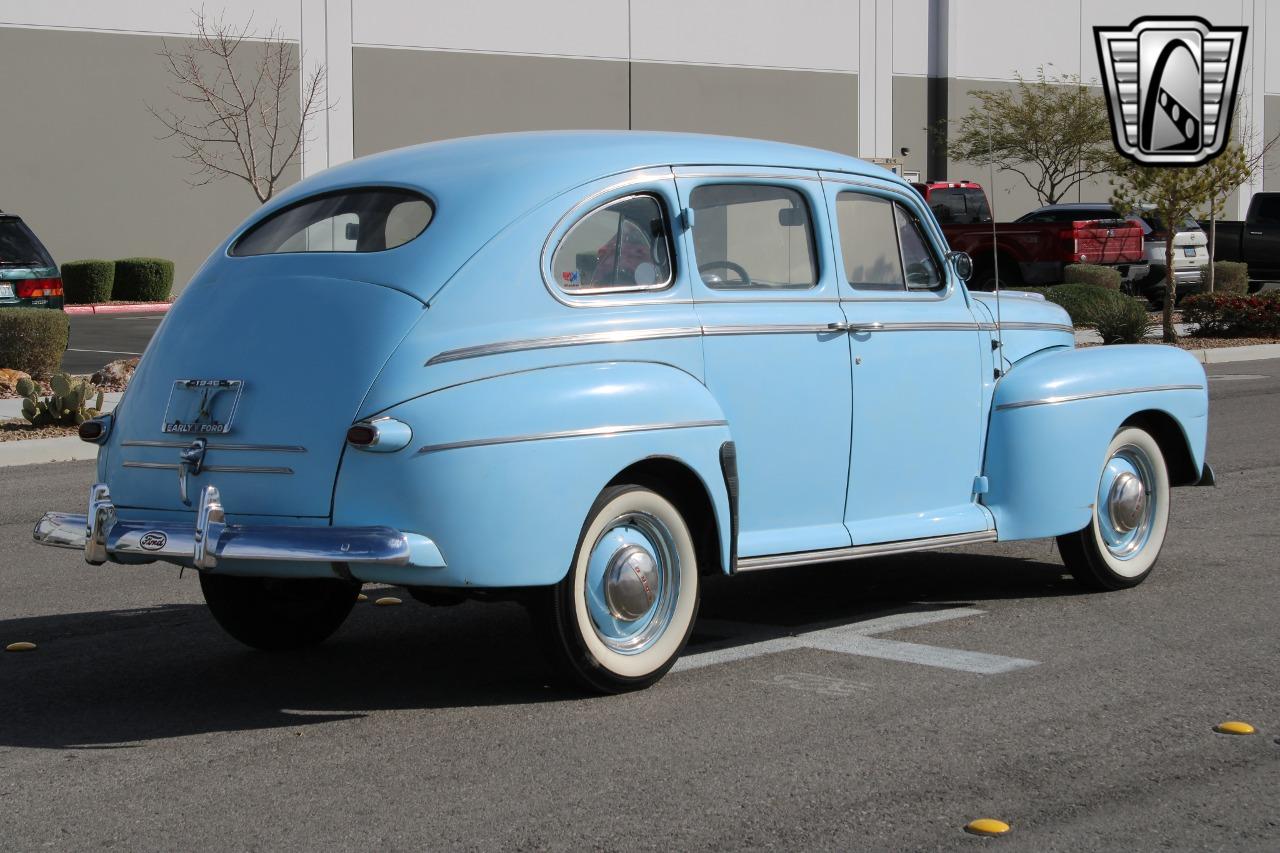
column 6, row 291
column 202, row 406
column 1189, row 251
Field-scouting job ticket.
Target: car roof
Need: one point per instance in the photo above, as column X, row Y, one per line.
column 519, row 170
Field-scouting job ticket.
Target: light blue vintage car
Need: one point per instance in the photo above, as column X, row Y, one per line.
column 588, row 369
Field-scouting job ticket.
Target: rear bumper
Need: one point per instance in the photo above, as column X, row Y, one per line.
column 210, row 544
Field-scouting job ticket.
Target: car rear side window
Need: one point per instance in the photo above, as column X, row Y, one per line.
column 362, row 220
column 623, row 245
column 959, row 206
column 753, row 236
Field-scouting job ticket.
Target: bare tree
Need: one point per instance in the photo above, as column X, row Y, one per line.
column 242, row 122
column 1053, row 132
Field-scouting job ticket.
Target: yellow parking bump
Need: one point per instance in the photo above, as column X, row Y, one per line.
column 1234, row 727
column 388, row 601
column 362, row 597
column 23, row 646
column 986, row 826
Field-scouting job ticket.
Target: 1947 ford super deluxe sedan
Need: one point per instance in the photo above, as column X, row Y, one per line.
column 589, row 369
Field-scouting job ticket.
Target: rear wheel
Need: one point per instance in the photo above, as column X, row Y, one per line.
column 1119, row 547
column 625, row 610
column 278, row 613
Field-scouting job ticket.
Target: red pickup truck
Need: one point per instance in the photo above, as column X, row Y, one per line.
column 1033, row 252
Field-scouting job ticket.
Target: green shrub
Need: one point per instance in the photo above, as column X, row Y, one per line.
column 1122, row 321
column 143, row 279
column 1092, row 274
column 84, row 282
column 1230, row 315
column 1228, row 277
column 1081, row 301
column 33, row 339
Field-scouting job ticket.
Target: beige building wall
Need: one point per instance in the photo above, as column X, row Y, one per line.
column 81, row 160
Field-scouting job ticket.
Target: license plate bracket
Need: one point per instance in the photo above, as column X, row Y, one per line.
column 202, row 406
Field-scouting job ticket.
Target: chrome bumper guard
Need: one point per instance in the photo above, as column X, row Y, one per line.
column 103, row 537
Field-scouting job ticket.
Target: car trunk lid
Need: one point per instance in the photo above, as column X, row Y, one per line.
column 269, row 372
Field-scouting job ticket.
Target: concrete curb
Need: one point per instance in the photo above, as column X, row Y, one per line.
column 35, row 451
column 1224, row 355
column 124, row 308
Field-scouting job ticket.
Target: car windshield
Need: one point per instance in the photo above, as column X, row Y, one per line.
column 19, row 247
column 959, row 206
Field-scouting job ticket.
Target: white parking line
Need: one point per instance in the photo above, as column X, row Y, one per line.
column 857, row 639
column 106, row 351
column 1229, row 377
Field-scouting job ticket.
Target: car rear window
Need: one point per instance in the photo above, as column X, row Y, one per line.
column 19, row 247
column 959, row 206
column 364, row 220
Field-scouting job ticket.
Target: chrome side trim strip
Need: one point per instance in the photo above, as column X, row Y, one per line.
column 567, row 433
column 614, row 337
column 263, row 448
column 1071, row 398
column 881, row 549
column 217, row 469
column 773, row 329
column 1042, row 327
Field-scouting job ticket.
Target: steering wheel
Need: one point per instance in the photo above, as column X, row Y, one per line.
column 736, row 269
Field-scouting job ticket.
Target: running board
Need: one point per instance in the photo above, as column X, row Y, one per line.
column 880, row 549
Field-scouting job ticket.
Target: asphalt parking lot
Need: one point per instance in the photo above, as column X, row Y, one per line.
column 99, row 338
column 878, row 704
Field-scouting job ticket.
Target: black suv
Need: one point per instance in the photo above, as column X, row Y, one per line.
column 28, row 275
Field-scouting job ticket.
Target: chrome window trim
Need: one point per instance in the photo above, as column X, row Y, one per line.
column 635, row 288
column 568, row 433
column 263, row 448
column 880, row 549
column 1090, row 395
column 651, row 175
column 217, row 469
column 554, row 341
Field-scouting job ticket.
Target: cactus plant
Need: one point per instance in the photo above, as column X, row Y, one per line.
column 64, row 407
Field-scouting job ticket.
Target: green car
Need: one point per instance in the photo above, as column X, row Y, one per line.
column 28, row 275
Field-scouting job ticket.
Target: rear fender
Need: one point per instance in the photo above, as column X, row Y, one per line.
column 501, row 472
column 1055, row 413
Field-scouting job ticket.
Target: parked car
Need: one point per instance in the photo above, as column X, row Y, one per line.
column 1190, row 245
column 589, row 369
column 1029, row 252
column 28, row 275
column 1256, row 241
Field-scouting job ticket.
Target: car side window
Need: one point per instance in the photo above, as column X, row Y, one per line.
column 919, row 264
column 753, row 236
column 359, row 220
column 869, row 241
column 623, row 245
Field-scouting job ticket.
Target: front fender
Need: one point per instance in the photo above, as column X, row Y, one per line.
column 501, row 472
column 1054, row 414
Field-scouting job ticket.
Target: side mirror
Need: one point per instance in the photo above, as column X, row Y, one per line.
column 353, row 231
column 962, row 264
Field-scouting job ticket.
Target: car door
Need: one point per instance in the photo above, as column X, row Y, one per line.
column 775, row 352
column 1261, row 240
column 917, row 370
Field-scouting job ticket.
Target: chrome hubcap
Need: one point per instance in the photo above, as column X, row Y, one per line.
column 1126, row 503
column 632, row 582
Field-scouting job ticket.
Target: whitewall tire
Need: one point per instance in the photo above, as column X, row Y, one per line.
column 625, row 610
column 1119, row 547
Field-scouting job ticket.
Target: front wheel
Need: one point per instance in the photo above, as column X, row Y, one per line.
column 278, row 613
column 1119, row 546
column 625, row 610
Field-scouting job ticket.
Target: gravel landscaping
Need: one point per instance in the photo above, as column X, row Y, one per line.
column 17, row 429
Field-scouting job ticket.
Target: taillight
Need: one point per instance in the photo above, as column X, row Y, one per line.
column 35, row 288
column 381, row 435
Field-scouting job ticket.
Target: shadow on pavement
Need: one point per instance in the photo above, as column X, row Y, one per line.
column 112, row 678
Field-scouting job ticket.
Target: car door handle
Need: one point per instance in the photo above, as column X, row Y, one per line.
column 865, row 327
column 837, row 327
column 1256, row 233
